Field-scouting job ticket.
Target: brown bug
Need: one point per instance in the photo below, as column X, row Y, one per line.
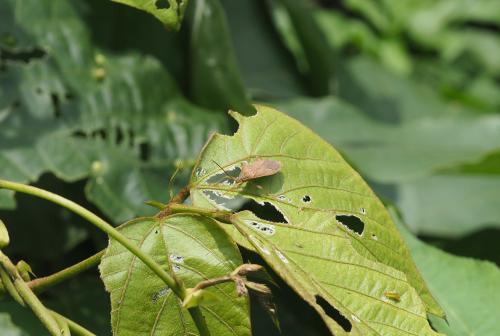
column 258, row 168
column 254, row 170
column 394, row 296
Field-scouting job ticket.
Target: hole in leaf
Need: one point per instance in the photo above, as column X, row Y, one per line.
column 21, row 56
column 56, row 104
column 333, row 313
column 99, row 133
column 306, row 199
column 162, row 292
column 227, row 176
column 224, row 201
column 119, row 135
column 144, row 151
column 265, row 211
column 162, row 4
column 353, row 223
column 176, row 258
column 264, row 228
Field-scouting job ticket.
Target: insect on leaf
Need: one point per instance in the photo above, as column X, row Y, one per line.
column 258, row 168
column 335, row 243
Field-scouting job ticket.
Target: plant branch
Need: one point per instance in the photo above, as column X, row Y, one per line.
column 180, row 291
column 181, row 196
column 63, row 324
column 29, row 298
column 221, row 215
column 9, row 286
column 73, row 326
column 41, row 284
column 99, row 223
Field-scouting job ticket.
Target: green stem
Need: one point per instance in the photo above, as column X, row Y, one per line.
column 29, row 298
column 199, row 320
column 221, row 215
column 99, row 223
column 41, row 284
column 37, row 307
column 180, row 291
column 9, row 286
column 63, row 324
column 73, row 326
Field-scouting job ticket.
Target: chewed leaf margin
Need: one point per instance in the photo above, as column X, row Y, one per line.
column 368, row 227
column 169, row 12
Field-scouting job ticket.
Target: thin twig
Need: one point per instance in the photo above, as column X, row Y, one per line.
column 29, row 298
column 41, row 284
column 73, row 326
column 179, row 291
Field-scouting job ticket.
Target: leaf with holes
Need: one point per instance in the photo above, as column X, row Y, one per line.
column 169, row 12
column 190, row 247
column 330, row 237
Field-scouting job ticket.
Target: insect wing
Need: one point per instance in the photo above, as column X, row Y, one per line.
column 258, row 168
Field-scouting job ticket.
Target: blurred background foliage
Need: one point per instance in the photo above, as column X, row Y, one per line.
column 100, row 103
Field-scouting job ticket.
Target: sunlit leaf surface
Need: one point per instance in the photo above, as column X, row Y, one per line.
column 331, row 239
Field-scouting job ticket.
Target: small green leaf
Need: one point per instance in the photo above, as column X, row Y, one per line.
column 196, row 297
column 191, row 248
column 332, row 239
column 169, row 12
column 24, row 270
column 4, row 235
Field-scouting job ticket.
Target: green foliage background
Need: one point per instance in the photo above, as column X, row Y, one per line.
column 99, row 102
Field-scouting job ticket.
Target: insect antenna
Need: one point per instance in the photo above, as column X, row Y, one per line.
column 225, row 172
column 178, row 168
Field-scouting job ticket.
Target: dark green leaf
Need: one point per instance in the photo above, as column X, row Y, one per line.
column 80, row 113
column 215, row 80
column 466, row 288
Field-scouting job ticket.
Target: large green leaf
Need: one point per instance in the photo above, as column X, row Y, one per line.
column 215, row 79
column 401, row 151
column 409, row 154
column 267, row 68
column 450, row 205
column 332, row 240
column 169, row 12
column 189, row 247
column 467, row 289
column 80, row 113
